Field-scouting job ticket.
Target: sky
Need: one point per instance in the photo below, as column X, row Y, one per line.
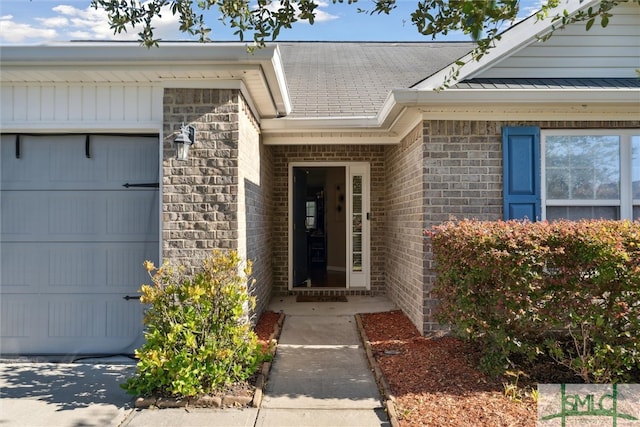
column 25, row 22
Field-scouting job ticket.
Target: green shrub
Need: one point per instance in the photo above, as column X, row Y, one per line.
column 568, row 290
column 198, row 335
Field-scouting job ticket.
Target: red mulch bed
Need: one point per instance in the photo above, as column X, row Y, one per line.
column 266, row 326
column 434, row 380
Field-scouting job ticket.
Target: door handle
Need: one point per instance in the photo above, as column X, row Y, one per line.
column 128, row 297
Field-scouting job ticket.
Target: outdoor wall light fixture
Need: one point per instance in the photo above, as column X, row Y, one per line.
column 185, row 139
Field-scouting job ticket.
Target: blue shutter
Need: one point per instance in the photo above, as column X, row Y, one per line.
column 521, row 176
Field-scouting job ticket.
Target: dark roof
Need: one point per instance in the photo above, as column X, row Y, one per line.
column 549, row 83
column 329, row 79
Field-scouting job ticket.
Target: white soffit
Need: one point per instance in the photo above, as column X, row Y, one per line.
column 524, row 104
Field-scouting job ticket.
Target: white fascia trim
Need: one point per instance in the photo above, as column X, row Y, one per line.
column 276, row 77
column 513, row 39
column 409, row 97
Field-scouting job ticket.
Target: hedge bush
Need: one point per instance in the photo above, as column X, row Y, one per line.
column 568, row 290
column 198, row 335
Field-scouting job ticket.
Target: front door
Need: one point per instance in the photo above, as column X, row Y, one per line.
column 329, row 225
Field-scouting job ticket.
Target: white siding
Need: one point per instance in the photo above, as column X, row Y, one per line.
column 613, row 51
column 67, row 106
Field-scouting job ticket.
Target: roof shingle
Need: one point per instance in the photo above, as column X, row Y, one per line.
column 350, row 79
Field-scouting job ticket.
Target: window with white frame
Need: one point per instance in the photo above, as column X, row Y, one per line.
column 591, row 174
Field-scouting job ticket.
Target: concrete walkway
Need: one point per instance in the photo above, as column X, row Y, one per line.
column 320, row 377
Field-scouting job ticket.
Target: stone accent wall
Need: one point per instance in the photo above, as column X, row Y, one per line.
column 200, row 205
column 404, row 194
column 282, row 157
column 200, row 209
column 463, row 178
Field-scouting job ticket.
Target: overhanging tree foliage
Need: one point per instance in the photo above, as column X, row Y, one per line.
column 482, row 20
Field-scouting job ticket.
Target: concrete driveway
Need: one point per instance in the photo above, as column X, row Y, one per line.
column 64, row 394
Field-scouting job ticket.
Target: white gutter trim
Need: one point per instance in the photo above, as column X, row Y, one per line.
column 408, row 97
column 284, row 103
column 130, row 53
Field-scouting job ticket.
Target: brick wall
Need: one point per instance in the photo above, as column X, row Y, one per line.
column 282, row 156
column 255, row 204
column 404, row 204
column 200, row 209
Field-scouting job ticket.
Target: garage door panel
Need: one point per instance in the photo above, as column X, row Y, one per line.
column 76, row 266
column 85, row 325
column 69, row 166
column 60, row 162
column 22, row 216
column 49, row 162
column 23, row 268
column 124, row 319
column 79, row 216
column 14, row 271
column 75, row 316
column 125, row 266
column 21, row 317
column 77, row 213
column 109, row 324
column 131, row 161
column 62, row 267
column 25, row 170
column 52, row 215
column 131, row 214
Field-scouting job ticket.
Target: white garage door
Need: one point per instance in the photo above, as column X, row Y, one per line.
column 73, row 241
